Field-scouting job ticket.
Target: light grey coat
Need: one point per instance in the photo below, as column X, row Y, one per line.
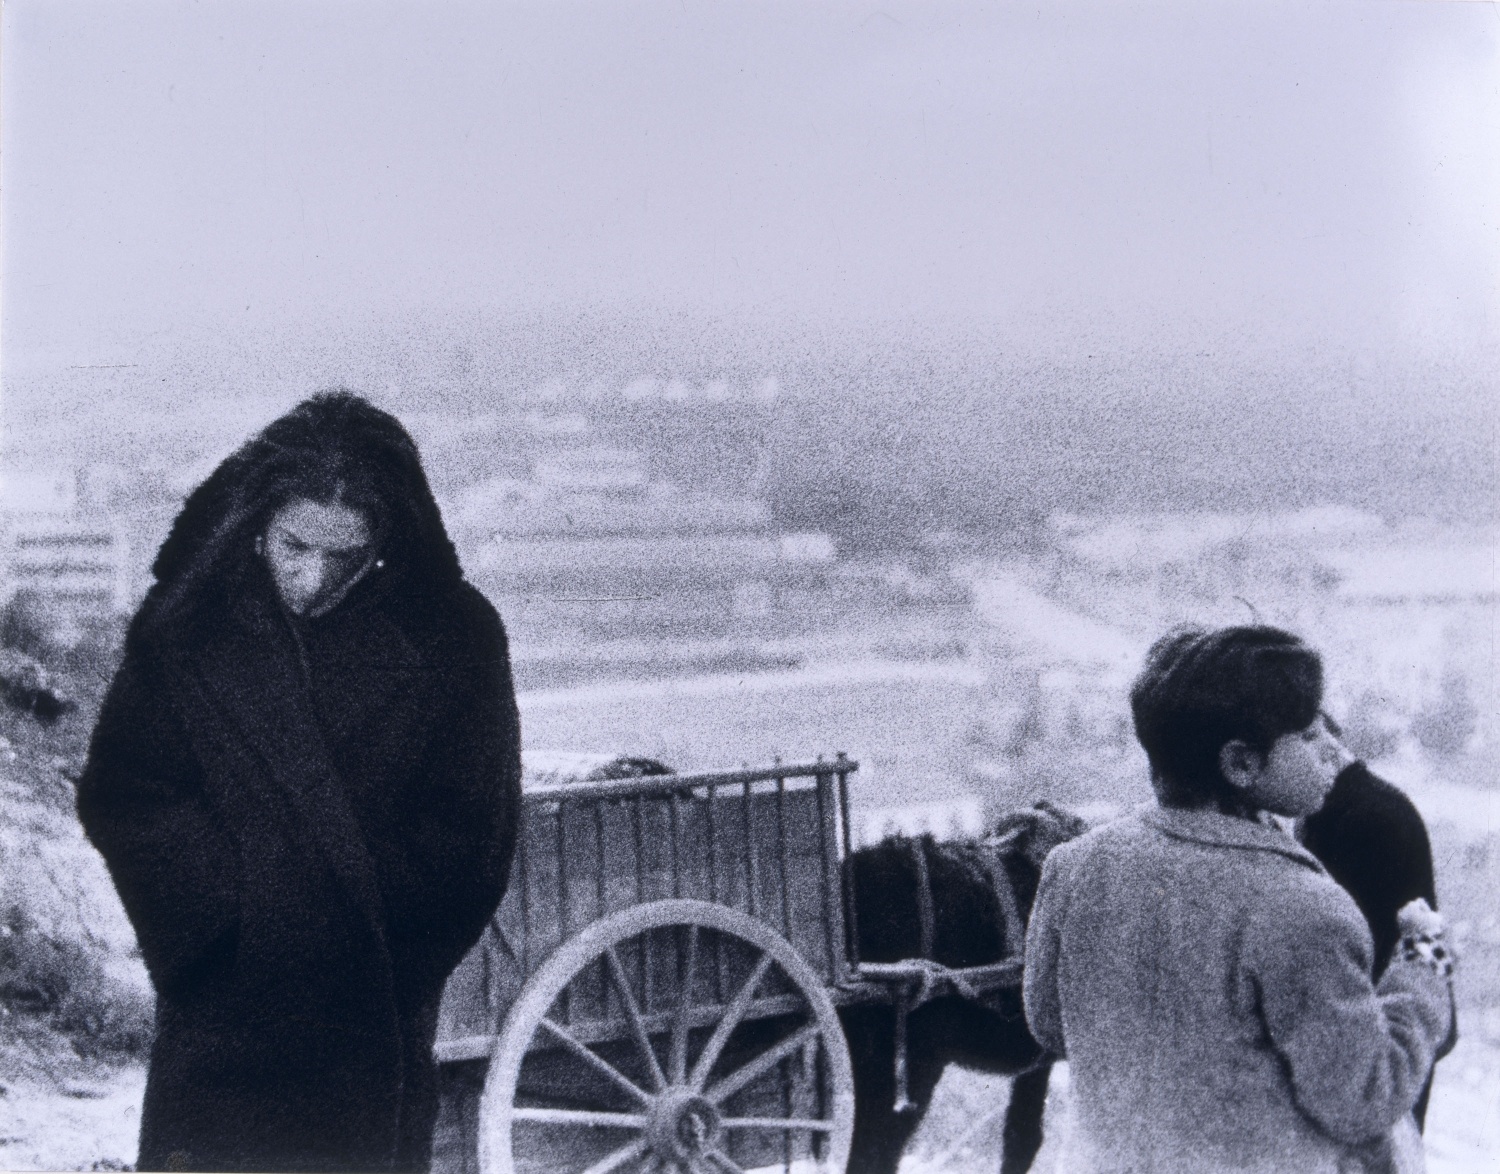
column 1210, row 986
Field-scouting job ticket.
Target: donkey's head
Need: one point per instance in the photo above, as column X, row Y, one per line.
column 1035, row 831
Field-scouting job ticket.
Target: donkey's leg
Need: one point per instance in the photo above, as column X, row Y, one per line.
column 879, row 1136
column 880, row 1132
column 1023, row 1119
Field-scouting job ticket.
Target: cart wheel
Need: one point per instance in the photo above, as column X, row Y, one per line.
column 677, row 1037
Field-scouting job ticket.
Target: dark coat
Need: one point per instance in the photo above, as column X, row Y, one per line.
column 1371, row 839
column 309, row 823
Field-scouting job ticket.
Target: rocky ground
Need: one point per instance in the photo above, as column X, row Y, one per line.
column 962, row 1132
column 62, row 1113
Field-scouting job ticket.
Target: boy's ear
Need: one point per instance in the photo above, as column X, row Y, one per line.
column 1240, row 764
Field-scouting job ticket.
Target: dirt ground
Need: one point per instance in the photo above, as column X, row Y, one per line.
column 60, row 1111
column 57, row 1114
column 962, row 1132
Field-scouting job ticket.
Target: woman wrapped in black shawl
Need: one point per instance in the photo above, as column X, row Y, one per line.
column 305, row 781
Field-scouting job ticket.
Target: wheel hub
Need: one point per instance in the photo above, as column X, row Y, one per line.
column 684, row 1125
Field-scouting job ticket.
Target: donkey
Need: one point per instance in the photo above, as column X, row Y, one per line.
column 958, row 904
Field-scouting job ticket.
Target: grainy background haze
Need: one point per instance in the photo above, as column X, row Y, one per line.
column 1228, row 227
column 796, row 377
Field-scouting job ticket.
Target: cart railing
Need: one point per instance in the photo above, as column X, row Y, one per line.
column 767, row 841
column 701, row 781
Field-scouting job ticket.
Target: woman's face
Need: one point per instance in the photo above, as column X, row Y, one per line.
column 316, row 552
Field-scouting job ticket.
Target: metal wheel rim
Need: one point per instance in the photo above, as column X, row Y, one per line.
column 497, row 1103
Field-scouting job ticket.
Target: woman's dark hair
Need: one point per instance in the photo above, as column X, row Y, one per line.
column 1201, row 689
column 332, row 448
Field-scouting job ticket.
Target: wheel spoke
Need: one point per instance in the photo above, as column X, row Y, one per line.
column 633, row 1013
column 732, row 1016
column 598, row 1063
column 804, row 1124
column 724, row 1162
column 740, row 1077
column 586, row 1117
column 684, row 1005
column 557, row 1081
column 622, row 1155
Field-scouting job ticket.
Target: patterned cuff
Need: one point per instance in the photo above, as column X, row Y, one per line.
column 1431, row 951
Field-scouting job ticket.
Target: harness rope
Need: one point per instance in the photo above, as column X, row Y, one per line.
column 1010, row 909
column 926, row 909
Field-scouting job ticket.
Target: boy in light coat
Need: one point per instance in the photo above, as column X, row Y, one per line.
column 1207, row 981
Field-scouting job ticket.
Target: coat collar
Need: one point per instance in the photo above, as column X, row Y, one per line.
column 1227, row 831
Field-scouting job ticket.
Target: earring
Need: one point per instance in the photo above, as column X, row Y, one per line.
column 379, row 563
column 260, row 544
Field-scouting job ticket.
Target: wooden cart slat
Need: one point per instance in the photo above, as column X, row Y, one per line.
column 767, row 841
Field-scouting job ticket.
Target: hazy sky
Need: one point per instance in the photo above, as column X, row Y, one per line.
column 1245, row 173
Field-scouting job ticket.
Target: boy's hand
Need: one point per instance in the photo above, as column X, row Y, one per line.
column 1417, row 918
column 1422, row 938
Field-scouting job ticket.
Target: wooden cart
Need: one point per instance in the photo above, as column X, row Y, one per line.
column 659, row 989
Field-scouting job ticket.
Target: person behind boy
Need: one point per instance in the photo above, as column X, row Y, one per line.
column 1372, row 840
column 1206, row 979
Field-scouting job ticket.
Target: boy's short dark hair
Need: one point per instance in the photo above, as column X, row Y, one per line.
column 1201, row 689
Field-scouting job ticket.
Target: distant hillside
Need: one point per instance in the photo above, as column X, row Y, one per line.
column 872, row 433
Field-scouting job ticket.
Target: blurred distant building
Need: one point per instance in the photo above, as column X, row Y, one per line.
column 717, row 391
column 961, row 818
column 808, row 546
column 638, row 510
column 1417, row 629
column 593, row 492
column 1430, row 573
column 1406, row 613
column 1148, row 572
column 49, row 492
column 592, row 470
column 51, row 550
column 592, row 529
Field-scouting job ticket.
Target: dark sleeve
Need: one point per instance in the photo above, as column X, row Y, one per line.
column 1371, row 839
column 142, row 803
column 463, row 825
